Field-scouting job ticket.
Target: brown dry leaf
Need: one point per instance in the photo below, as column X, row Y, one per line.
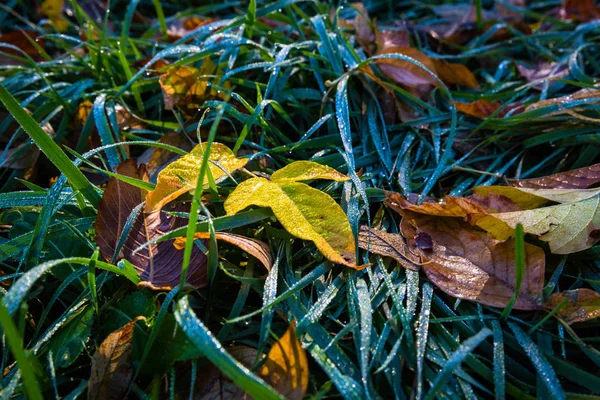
column 21, row 40
column 581, row 305
column 455, row 74
column 581, row 178
column 254, row 247
column 111, row 365
column 387, row 245
column 465, row 262
column 363, row 29
column 159, row 264
column 405, row 72
column 479, row 109
column 541, row 71
column 583, row 94
column 286, row 366
column 187, row 87
column 579, row 10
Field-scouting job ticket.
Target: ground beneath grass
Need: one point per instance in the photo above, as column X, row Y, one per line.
column 425, row 99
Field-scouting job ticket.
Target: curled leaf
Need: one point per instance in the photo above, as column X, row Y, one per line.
column 158, row 264
column 286, row 366
column 575, row 179
column 254, row 247
column 387, row 245
column 181, row 176
column 304, row 212
column 465, row 262
column 581, row 305
column 111, row 365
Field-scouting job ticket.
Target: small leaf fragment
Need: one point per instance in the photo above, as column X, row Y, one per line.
column 111, row 365
column 180, row 176
column 581, row 305
column 387, row 245
column 286, row 366
column 304, row 212
column 254, row 247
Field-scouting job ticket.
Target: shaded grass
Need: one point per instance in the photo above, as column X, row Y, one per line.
column 296, row 94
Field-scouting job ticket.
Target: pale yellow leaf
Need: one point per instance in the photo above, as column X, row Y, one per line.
column 307, row 170
column 304, row 212
column 180, row 176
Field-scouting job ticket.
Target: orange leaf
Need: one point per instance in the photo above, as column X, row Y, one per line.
column 406, row 72
column 455, row 74
column 254, row 247
column 286, row 366
column 581, row 305
column 478, row 109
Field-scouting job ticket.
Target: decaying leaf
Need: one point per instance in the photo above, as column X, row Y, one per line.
column 254, row 247
column 286, row 366
column 23, row 40
column 455, row 74
column 181, row 176
column 182, row 27
column 478, row 109
column 543, row 71
column 304, row 212
column 591, row 96
column 387, row 245
column 188, row 87
column 581, row 305
column 158, row 264
column 574, row 179
column 405, row 72
column 111, row 365
column 580, row 10
column 465, row 262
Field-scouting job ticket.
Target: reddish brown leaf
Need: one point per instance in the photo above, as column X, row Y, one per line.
column 405, row 72
column 365, row 34
column 581, row 178
column 387, row 245
column 22, row 40
column 254, row 247
column 158, row 264
column 478, row 109
column 465, row 262
column 111, row 365
column 581, row 305
column 580, row 10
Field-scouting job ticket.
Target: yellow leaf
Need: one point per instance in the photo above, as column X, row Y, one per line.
column 304, row 212
column 307, row 170
column 532, row 198
column 52, row 8
column 181, row 175
column 581, row 305
column 188, row 86
column 286, row 366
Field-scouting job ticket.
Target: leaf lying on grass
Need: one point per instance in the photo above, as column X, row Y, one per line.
column 387, row 245
column 111, row 365
column 305, row 212
column 158, row 264
column 254, row 247
column 581, row 305
column 574, row 179
column 180, row 176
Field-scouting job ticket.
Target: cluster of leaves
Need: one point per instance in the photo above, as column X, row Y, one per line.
column 153, row 154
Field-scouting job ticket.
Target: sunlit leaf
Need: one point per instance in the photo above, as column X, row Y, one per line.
column 304, row 212
column 111, row 365
column 181, row 176
column 254, row 247
column 286, row 366
column 581, row 305
column 306, row 171
column 158, row 264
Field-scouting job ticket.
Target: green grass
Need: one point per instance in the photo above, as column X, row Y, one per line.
column 296, row 93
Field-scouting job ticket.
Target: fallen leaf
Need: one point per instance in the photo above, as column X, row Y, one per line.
column 387, row 245
column 405, row 72
column 581, row 305
column 304, row 212
column 111, row 365
column 159, row 264
column 54, row 10
column 181, row 176
column 574, row 179
column 455, row 74
column 387, row 39
column 543, row 71
column 363, row 29
column 593, row 95
column 465, row 262
column 179, row 28
column 306, row 171
column 188, row 87
column 286, row 366
column 156, row 158
column 254, row 247
column 478, row 109
column 580, row 10
column 23, row 154
column 21, row 39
